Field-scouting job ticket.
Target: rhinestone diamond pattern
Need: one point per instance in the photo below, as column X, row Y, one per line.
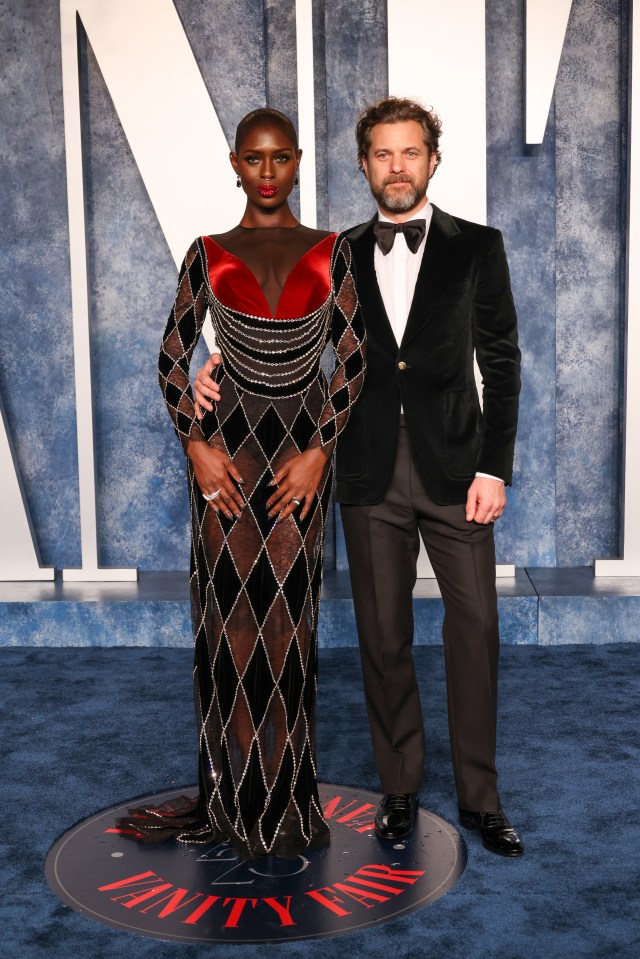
column 255, row 583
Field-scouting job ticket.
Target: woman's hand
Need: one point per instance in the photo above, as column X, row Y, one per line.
column 297, row 480
column 215, row 473
column 206, row 389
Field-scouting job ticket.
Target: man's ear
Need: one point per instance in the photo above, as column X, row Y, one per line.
column 365, row 167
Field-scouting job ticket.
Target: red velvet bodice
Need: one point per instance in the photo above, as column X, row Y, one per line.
column 305, row 290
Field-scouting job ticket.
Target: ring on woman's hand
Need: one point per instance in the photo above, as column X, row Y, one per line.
column 210, row 496
column 298, row 502
column 496, row 515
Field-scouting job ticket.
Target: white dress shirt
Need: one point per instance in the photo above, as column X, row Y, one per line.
column 397, row 275
column 397, row 272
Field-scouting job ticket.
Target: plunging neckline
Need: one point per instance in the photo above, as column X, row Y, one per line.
column 289, row 277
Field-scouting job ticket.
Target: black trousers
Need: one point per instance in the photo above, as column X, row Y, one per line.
column 382, row 547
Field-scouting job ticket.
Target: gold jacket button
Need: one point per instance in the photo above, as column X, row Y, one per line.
column 402, row 365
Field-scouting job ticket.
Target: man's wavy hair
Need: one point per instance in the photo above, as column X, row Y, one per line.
column 261, row 116
column 396, row 110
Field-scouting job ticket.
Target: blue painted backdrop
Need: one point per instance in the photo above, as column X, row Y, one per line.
column 560, row 206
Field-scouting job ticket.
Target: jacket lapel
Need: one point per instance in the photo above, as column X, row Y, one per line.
column 435, row 272
column 362, row 243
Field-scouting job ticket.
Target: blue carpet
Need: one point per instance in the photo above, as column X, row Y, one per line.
column 83, row 729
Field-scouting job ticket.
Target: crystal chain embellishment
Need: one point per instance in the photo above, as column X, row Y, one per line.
column 248, row 345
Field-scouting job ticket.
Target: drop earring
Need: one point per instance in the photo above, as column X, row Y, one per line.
column 238, row 182
column 296, row 181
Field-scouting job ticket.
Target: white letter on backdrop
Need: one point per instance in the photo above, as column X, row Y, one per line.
column 158, row 93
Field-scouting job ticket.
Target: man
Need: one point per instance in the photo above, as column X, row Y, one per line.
column 419, row 458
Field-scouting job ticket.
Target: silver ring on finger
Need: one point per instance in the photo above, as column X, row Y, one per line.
column 298, row 502
column 211, row 496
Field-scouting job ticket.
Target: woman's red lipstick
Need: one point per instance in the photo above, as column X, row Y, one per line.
column 267, row 191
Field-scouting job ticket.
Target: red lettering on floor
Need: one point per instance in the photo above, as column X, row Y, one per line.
column 331, row 806
column 131, row 881
column 367, row 807
column 361, row 895
column 136, row 899
column 236, row 911
column 174, row 901
column 361, row 889
column 283, row 912
column 330, row 811
column 378, row 871
column 200, row 911
column 374, row 885
column 317, row 894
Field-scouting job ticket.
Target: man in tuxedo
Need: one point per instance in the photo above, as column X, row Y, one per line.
column 418, row 458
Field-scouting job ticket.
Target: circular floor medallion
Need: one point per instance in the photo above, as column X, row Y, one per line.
column 207, row 894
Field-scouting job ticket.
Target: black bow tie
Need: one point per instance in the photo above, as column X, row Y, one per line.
column 385, row 234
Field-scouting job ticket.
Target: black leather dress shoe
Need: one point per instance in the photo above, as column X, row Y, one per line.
column 497, row 833
column 396, row 815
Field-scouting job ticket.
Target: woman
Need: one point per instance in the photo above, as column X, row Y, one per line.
column 259, row 472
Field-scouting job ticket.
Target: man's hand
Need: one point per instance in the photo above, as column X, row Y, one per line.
column 205, row 389
column 215, row 473
column 296, row 480
column 486, row 500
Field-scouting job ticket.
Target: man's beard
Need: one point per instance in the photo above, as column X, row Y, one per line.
column 399, row 202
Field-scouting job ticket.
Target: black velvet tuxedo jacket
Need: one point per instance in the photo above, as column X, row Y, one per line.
column 462, row 303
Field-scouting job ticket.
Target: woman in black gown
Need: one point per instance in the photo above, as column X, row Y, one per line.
column 260, row 472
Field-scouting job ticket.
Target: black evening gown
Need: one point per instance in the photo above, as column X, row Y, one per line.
column 255, row 582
